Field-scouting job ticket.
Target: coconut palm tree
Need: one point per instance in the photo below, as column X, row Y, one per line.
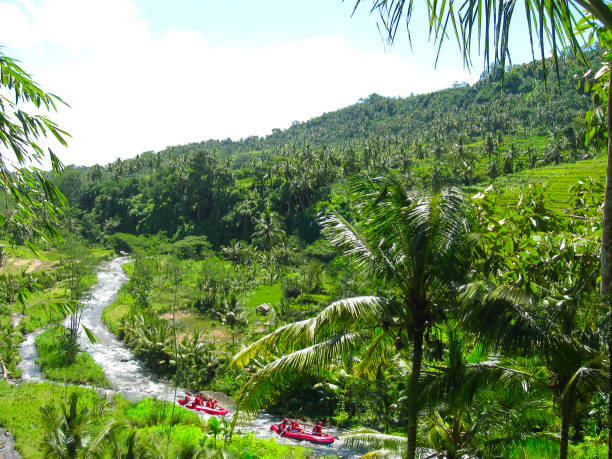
column 507, row 320
column 268, row 228
column 233, row 314
column 413, row 245
column 134, row 447
column 196, row 359
column 151, row 339
column 473, row 404
column 235, row 251
column 69, row 433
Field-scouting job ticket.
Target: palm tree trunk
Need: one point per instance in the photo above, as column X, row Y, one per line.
column 415, row 374
column 606, row 250
column 606, row 236
column 610, row 398
column 565, row 418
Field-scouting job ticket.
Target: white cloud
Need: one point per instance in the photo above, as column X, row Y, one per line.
column 130, row 93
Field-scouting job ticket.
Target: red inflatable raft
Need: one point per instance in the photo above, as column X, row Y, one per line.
column 192, row 405
column 322, row 439
column 219, row 411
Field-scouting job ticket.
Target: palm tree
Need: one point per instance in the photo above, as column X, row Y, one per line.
column 410, row 243
column 69, row 430
column 196, row 359
column 134, row 447
column 493, row 170
column 515, row 324
column 268, row 228
column 215, row 428
column 235, row 251
column 233, row 315
column 473, row 405
column 509, row 158
column 478, row 404
column 490, row 147
column 152, row 339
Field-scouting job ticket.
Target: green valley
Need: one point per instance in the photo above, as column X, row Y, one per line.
column 404, row 277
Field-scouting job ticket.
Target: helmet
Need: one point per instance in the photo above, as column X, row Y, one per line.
column 320, row 423
column 285, row 420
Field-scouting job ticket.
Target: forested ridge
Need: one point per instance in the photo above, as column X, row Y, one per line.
column 462, row 136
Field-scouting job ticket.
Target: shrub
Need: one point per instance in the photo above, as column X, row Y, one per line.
column 192, row 247
column 149, row 412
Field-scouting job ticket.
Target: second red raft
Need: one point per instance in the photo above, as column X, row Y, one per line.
column 219, row 411
column 321, row 439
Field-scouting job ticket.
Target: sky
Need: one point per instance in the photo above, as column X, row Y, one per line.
column 140, row 75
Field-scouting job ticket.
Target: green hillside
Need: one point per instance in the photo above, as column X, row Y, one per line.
column 526, row 103
column 461, row 136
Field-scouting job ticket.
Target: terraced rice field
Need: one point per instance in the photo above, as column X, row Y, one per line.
column 556, row 180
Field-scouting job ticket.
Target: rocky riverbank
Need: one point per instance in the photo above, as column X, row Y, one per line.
column 7, row 445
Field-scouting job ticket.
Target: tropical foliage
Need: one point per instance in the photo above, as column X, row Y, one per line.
column 393, row 266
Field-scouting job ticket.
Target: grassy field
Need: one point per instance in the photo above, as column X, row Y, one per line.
column 264, row 294
column 20, row 413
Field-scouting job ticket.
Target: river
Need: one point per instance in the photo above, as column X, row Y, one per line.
column 128, row 375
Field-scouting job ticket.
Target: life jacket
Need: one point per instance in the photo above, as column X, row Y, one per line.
column 316, row 430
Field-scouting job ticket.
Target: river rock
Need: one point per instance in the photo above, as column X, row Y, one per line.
column 224, row 400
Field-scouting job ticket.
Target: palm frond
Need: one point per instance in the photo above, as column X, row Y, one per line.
column 290, row 334
column 459, row 385
column 369, row 438
column 550, row 24
column 95, row 446
column 410, row 238
column 594, row 375
column 350, row 313
column 368, row 256
column 380, row 350
column 270, row 383
column 503, row 317
column 338, row 317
